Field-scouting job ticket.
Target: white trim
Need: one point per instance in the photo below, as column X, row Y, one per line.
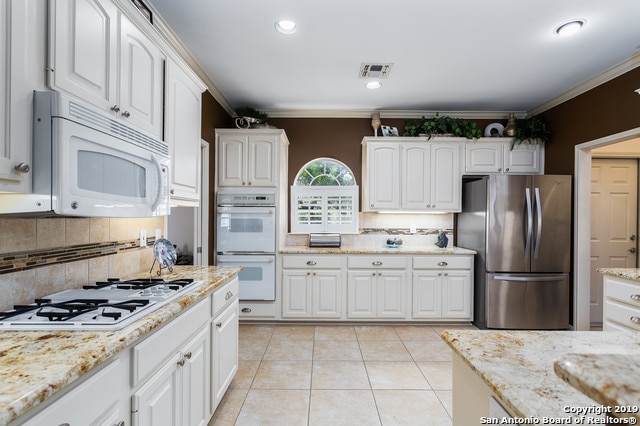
column 582, row 225
column 404, row 114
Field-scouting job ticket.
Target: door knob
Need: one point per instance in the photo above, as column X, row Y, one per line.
column 632, row 250
column 22, row 168
column 632, row 238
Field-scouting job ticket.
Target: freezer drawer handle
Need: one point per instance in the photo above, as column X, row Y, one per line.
column 442, row 263
column 510, row 278
column 635, row 319
column 635, row 297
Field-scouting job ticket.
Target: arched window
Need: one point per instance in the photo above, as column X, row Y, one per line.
column 324, row 198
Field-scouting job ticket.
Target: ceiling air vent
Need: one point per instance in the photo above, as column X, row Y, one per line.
column 375, row 70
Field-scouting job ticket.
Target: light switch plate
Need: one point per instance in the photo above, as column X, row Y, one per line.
column 412, row 228
column 143, row 238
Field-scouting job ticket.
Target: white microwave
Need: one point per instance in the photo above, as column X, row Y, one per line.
column 88, row 163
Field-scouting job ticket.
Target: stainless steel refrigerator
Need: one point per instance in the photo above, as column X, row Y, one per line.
column 520, row 226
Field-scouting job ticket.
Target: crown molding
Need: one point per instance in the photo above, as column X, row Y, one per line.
column 610, row 74
column 478, row 115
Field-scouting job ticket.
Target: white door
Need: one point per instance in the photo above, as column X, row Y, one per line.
column 446, row 179
column 614, row 219
column 416, row 176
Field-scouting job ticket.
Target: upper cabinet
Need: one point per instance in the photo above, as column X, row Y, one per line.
column 491, row 156
column 182, row 132
column 411, row 174
column 250, row 157
column 22, row 59
column 97, row 54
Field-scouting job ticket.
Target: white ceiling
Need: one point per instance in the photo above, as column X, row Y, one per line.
column 453, row 55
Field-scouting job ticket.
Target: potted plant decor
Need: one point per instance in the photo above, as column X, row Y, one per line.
column 442, row 125
column 532, row 130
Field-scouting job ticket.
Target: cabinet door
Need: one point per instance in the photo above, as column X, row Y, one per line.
column 84, row 50
column 392, row 294
column 361, row 294
column 326, row 289
column 485, row 157
column 456, row 294
column 383, row 176
column 232, row 152
column 158, row 401
column 196, row 380
column 523, row 158
column 22, row 59
column 427, row 295
column 141, row 79
column 225, row 351
column 261, row 162
column 446, row 179
column 416, row 176
column 182, row 132
column 296, row 295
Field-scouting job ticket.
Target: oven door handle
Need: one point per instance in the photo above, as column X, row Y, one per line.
column 270, row 260
column 252, row 210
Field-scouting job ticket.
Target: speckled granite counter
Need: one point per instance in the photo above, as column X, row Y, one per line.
column 609, row 379
column 628, row 273
column 407, row 250
column 518, row 366
column 34, row 365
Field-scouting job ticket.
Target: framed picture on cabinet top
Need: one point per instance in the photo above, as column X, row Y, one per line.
column 389, row 131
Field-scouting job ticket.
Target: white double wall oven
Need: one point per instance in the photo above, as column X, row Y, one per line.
column 246, row 236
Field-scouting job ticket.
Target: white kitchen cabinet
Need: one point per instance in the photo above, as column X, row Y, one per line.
column 22, row 59
column 621, row 309
column 442, row 287
column 490, row 156
column 182, row 133
column 225, row 333
column 249, row 157
column 312, row 287
column 377, row 287
column 99, row 55
column 99, row 401
column 407, row 174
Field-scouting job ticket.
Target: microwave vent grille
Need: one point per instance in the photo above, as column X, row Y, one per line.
column 118, row 129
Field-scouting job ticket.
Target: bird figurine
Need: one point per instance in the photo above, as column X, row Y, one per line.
column 442, row 240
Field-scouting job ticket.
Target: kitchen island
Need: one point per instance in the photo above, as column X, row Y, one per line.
column 621, row 301
column 518, row 370
column 38, row 366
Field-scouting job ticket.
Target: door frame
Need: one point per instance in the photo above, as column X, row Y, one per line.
column 582, row 225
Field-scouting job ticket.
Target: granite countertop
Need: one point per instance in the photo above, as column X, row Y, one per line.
column 383, row 249
column 609, row 379
column 34, row 365
column 628, row 273
column 519, row 366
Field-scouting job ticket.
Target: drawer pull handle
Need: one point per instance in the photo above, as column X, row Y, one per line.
column 443, row 263
column 376, row 263
column 246, row 310
column 635, row 297
column 228, row 296
column 311, row 262
column 188, row 355
column 635, row 320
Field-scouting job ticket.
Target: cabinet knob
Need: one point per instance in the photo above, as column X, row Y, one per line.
column 507, row 169
column 219, row 324
column 228, row 296
column 376, row 263
column 446, row 274
column 635, row 319
column 635, row 297
column 172, row 191
column 120, row 423
column 311, row 262
column 22, row 168
column 379, row 274
column 115, row 108
column 181, row 362
column 188, row 355
column 500, row 169
column 126, row 114
column 439, row 274
column 443, row 263
column 248, row 183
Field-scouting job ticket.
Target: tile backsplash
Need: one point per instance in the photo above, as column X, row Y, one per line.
column 41, row 256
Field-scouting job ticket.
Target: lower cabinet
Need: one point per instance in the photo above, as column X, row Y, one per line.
column 442, row 287
column 377, row 287
column 621, row 309
column 225, row 333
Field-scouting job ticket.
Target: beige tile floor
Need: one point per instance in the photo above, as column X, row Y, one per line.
column 340, row 375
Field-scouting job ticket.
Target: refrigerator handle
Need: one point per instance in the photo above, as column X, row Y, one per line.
column 529, row 222
column 529, row 278
column 539, row 212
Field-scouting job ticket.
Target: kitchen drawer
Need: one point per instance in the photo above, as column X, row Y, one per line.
column 442, row 262
column 250, row 310
column 622, row 314
column 151, row 352
column 378, row 262
column 224, row 296
column 623, row 291
column 312, row 261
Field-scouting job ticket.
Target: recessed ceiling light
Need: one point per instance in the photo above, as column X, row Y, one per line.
column 286, row 27
column 374, row 85
column 570, row 27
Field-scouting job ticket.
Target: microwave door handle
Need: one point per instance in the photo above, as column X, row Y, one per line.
column 539, row 213
column 529, row 222
column 156, row 202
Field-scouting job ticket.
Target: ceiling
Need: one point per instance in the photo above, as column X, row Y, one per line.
column 448, row 56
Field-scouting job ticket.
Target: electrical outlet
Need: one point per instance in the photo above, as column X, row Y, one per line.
column 143, row 238
column 158, row 234
column 412, row 228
